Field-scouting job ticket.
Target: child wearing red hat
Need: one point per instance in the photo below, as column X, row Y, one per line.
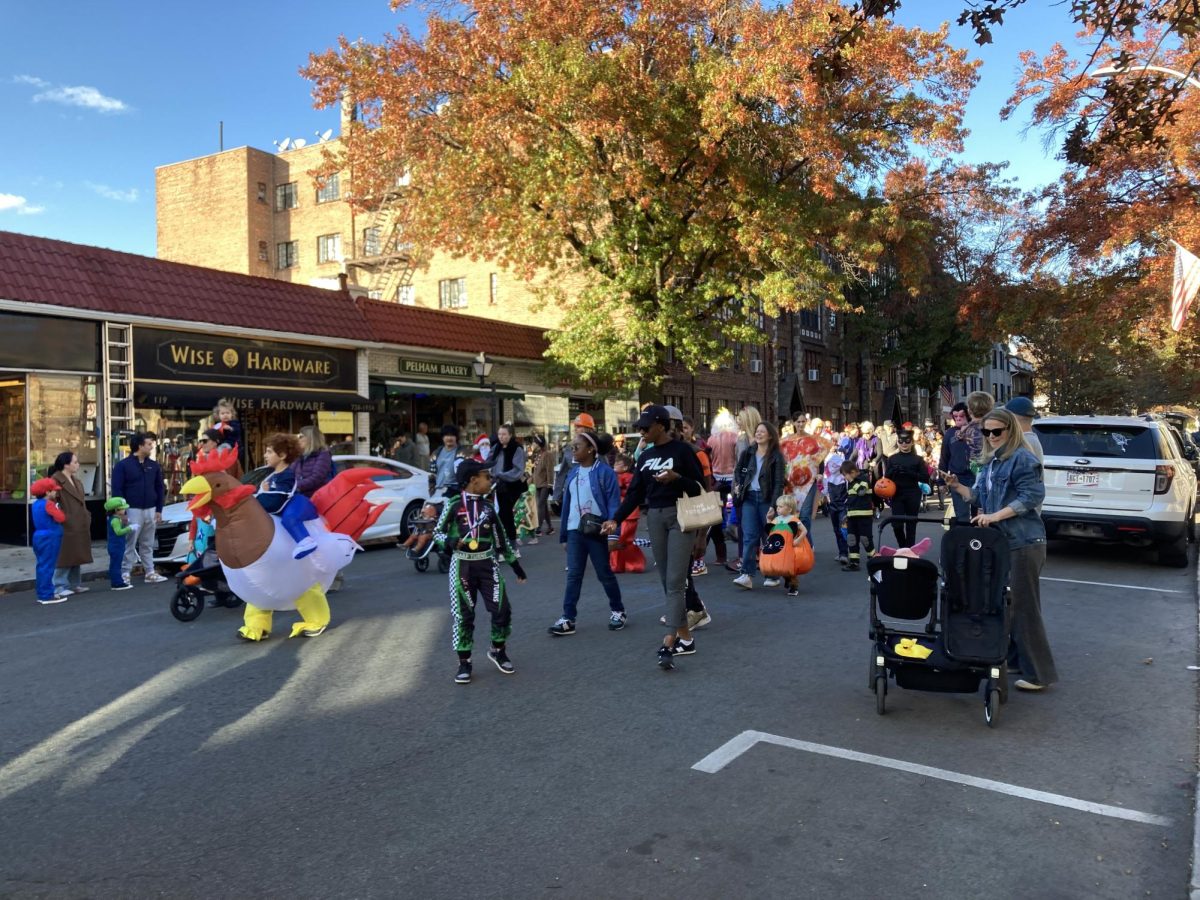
column 47, row 538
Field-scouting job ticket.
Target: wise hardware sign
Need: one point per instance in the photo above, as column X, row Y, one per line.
column 433, row 368
column 182, row 357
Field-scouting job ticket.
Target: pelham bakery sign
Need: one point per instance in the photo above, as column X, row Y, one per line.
column 172, row 362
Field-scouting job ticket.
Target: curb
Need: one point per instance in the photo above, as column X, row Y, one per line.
column 28, row 584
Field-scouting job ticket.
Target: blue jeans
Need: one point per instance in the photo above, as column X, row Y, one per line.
column 753, row 515
column 806, row 512
column 837, row 515
column 68, row 577
column 581, row 548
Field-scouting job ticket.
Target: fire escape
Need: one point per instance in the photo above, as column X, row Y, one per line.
column 382, row 261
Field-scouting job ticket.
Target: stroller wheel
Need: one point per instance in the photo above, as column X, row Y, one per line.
column 421, row 565
column 187, row 604
column 991, row 705
column 443, row 564
column 880, row 693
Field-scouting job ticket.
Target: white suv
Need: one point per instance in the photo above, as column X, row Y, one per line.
column 1118, row 478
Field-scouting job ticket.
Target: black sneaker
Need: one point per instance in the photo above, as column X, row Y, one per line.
column 683, row 648
column 500, row 658
column 464, row 673
column 666, row 657
column 562, row 626
column 793, row 592
column 850, row 567
column 616, row 621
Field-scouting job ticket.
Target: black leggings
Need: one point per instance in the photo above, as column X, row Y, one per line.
column 507, row 493
column 906, row 503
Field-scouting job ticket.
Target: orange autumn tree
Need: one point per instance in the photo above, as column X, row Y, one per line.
column 697, row 161
column 1103, row 232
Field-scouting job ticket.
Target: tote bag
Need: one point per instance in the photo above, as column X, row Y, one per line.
column 702, row 511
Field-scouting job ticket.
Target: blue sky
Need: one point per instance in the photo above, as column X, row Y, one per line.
column 94, row 96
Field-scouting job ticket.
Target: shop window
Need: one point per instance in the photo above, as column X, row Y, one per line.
column 329, row 248
column 452, row 293
column 330, row 190
column 286, row 196
column 287, row 254
column 65, row 419
column 14, row 477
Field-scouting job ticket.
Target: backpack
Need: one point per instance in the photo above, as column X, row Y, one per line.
column 778, row 558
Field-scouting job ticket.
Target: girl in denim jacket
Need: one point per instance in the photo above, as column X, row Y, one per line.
column 1009, row 492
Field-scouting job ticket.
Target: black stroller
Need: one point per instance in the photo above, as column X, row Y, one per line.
column 420, row 543
column 965, row 609
column 196, row 586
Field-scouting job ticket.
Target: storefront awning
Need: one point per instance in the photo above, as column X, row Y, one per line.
column 453, row 388
column 159, row 395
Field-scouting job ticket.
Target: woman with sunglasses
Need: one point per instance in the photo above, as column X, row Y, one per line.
column 1009, row 491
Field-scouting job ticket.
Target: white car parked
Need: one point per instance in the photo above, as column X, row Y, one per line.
column 1118, row 478
column 405, row 489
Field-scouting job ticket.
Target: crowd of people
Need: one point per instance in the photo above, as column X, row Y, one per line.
column 983, row 467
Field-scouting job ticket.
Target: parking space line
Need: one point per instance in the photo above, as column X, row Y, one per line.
column 735, row 747
column 1127, row 587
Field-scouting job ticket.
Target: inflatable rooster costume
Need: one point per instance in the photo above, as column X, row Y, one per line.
column 256, row 551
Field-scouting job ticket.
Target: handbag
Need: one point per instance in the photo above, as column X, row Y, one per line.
column 589, row 525
column 702, row 511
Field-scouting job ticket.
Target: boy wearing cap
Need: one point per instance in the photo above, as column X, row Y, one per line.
column 666, row 471
column 119, row 531
column 470, row 529
column 47, row 538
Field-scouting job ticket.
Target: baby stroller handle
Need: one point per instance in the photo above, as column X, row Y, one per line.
column 930, row 520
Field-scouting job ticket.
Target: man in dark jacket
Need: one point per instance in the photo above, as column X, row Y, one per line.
column 139, row 479
column 405, row 451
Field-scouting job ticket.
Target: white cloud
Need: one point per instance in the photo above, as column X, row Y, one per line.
column 111, row 193
column 83, row 95
column 19, row 205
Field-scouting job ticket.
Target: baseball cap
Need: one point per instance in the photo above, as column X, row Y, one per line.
column 651, row 414
column 675, row 413
column 1022, row 406
column 584, row 420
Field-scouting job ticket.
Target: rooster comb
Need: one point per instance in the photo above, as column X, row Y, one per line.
column 215, row 460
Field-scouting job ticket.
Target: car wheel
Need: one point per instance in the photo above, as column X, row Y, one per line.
column 412, row 511
column 1175, row 553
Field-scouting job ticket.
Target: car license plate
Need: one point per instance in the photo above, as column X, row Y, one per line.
column 1083, row 479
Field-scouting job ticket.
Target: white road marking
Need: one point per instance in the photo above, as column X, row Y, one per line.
column 735, row 747
column 90, row 623
column 1127, row 587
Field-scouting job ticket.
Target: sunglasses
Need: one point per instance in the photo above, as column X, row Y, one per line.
column 993, row 432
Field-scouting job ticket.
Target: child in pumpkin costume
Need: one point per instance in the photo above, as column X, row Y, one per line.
column 470, row 529
column 786, row 552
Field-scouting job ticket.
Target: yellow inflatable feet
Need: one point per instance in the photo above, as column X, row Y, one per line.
column 257, row 624
column 314, row 613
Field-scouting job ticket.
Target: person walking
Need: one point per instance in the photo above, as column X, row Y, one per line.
column 666, row 471
column 757, row 481
column 421, row 442
column 1008, row 492
column 911, row 477
column 507, row 461
column 955, row 459
column 835, row 487
column 444, row 463
column 591, row 496
column 722, row 448
column 139, row 479
column 544, row 463
column 566, row 458
column 76, row 547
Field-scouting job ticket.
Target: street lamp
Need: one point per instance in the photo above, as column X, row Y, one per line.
column 1106, row 71
column 483, row 368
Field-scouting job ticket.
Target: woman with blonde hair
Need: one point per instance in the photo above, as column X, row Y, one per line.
column 1008, row 491
column 748, row 421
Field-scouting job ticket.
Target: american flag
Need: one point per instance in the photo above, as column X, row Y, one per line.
column 1187, row 282
column 947, row 395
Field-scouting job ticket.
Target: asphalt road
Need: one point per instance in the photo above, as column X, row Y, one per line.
column 143, row 757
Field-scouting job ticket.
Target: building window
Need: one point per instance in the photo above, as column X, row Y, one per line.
column 452, row 293
column 286, row 196
column 407, row 296
column 669, row 356
column 330, row 190
column 262, row 192
column 375, row 295
column 810, row 323
column 329, row 248
column 782, row 355
column 372, row 241
column 263, row 254
column 287, row 254
column 702, row 415
column 493, row 288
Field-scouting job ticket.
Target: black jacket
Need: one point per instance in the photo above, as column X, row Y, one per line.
column 908, row 470
column 772, row 480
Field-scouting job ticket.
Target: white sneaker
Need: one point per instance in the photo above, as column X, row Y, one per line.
column 63, row 593
column 155, row 578
column 744, row 581
column 57, row 598
column 79, row 589
column 772, row 582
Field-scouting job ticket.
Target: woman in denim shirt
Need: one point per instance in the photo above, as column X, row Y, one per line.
column 1009, row 492
column 590, row 488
